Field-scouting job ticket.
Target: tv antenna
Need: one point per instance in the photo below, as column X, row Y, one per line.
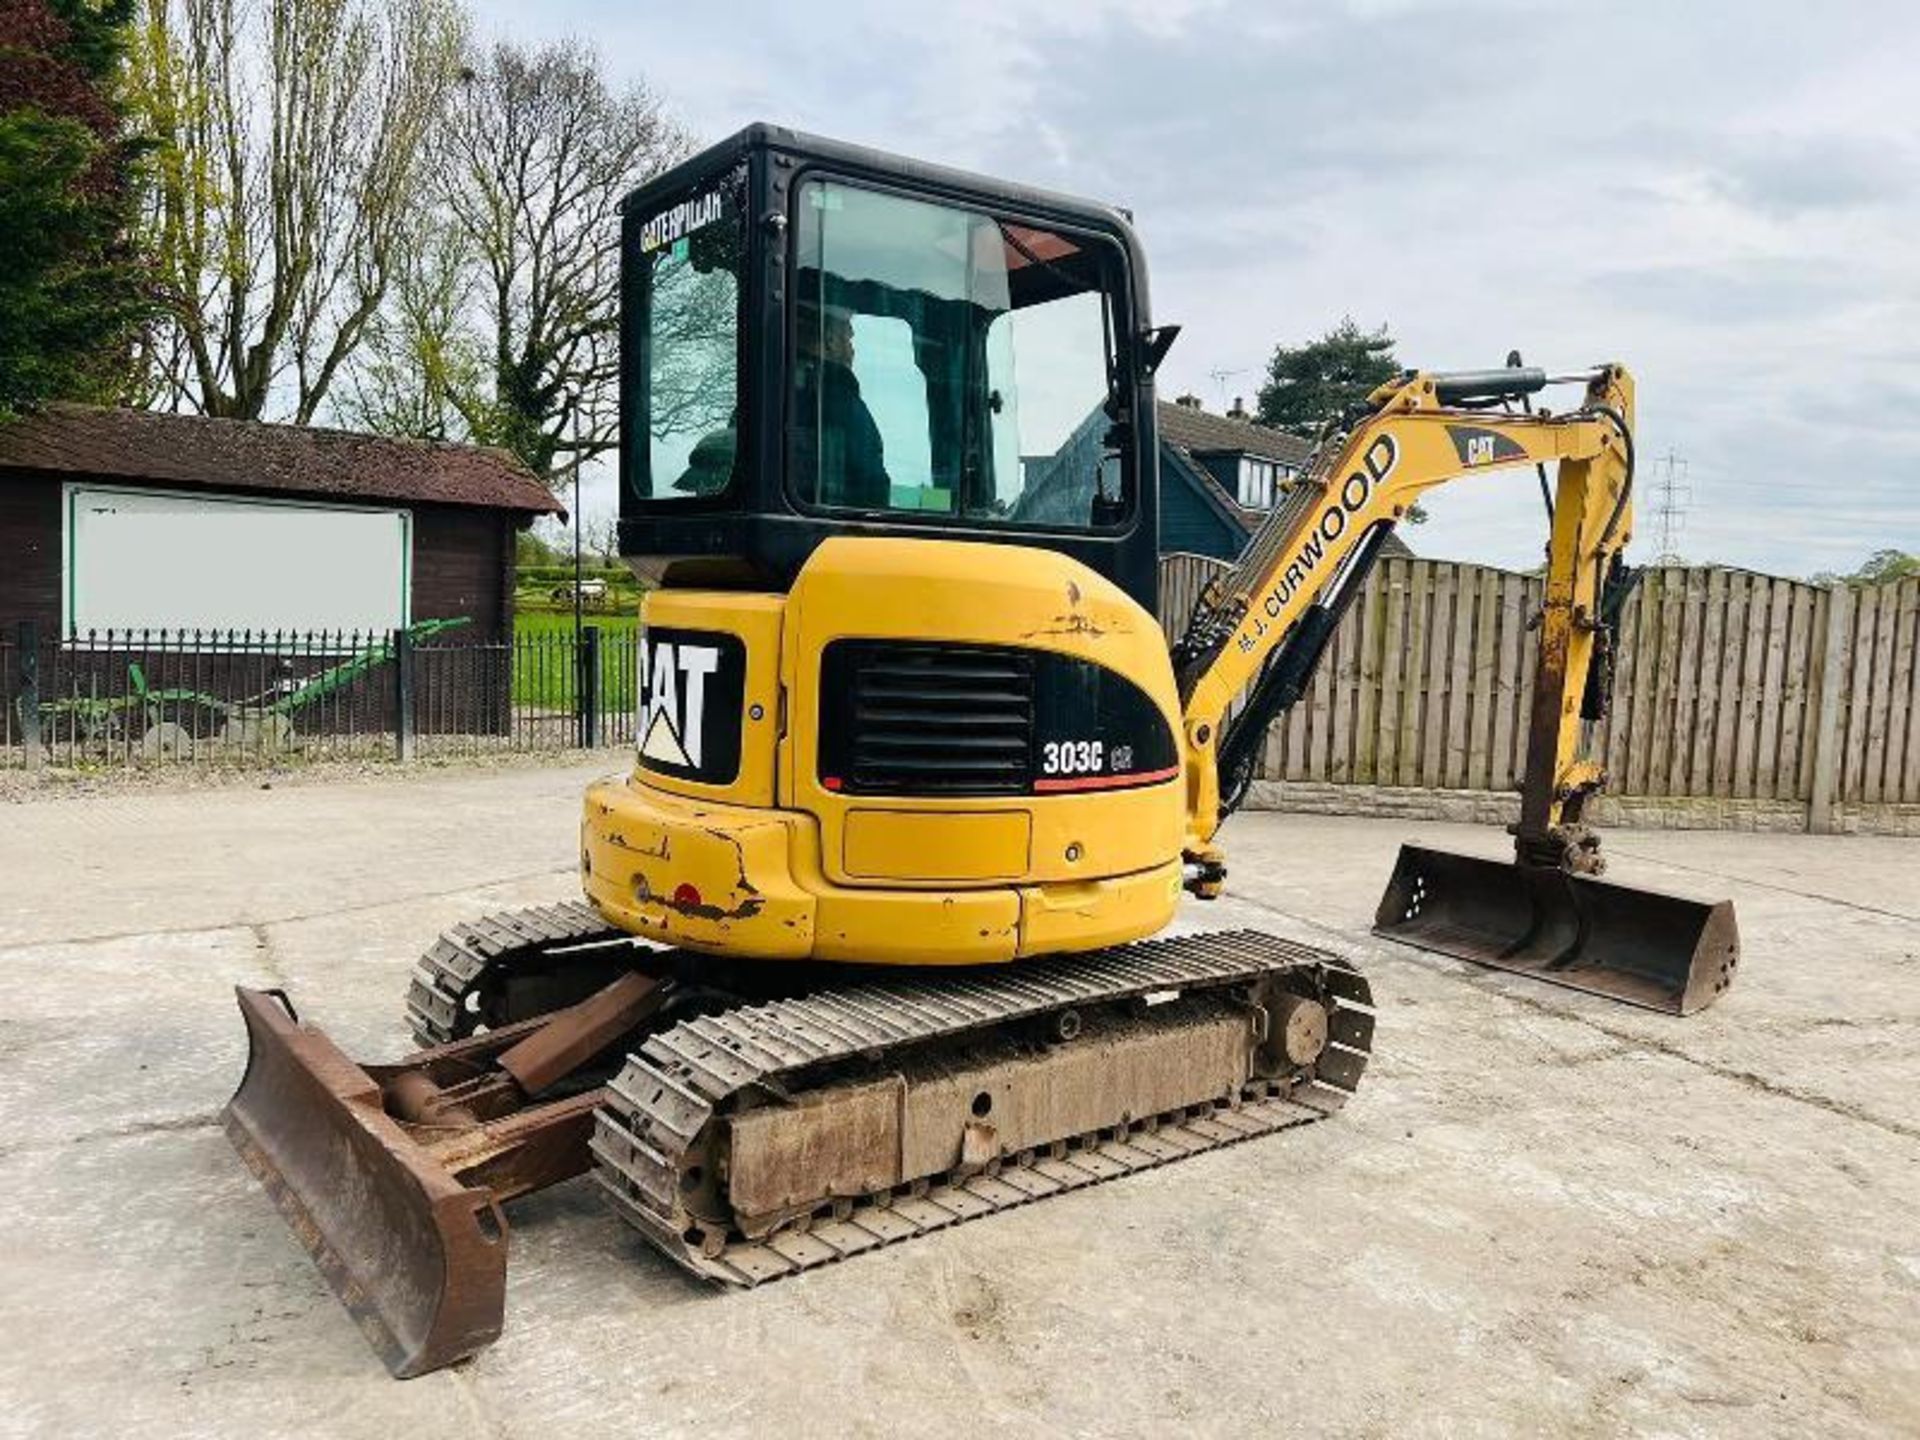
column 1220, row 378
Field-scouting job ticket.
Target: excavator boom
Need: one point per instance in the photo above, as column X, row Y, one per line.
column 1260, row 630
column 1313, row 549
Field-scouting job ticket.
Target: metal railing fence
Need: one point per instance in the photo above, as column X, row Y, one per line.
column 240, row 697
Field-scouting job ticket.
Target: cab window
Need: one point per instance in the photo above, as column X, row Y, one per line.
column 949, row 363
column 687, row 339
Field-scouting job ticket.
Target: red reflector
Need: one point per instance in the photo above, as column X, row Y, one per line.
column 685, row 895
column 829, row 782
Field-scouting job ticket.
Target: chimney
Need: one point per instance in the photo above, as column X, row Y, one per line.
column 1239, row 410
column 1188, row 402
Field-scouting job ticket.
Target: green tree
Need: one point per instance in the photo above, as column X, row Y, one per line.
column 71, row 296
column 1885, row 566
column 417, row 366
column 501, row 326
column 535, row 160
column 1882, row 567
column 289, row 163
column 1309, row 383
column 532, row 548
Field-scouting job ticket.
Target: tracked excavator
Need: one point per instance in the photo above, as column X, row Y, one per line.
column 864, row 949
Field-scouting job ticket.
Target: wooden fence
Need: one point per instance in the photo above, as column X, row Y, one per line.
column 1729, row 685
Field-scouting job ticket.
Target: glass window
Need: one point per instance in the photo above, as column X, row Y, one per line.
column 882, row 350
column 1257, row 478
column 949, row 363
column 690, row 257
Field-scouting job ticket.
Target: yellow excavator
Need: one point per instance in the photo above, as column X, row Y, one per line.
column 864, row 948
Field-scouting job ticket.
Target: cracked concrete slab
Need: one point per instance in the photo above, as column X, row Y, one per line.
column 1544, row 1212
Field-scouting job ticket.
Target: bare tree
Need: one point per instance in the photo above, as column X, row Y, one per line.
column 419, row 361
column 288, row 138
column 537, row 157
column 600, row 536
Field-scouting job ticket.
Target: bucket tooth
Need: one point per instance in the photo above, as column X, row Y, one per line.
column 418, row 1258
column 1647, row 948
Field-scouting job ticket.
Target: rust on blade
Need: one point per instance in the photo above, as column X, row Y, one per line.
column 392, row 1176
column 1660, row 951
column 575, row 1035
column 418, row 1257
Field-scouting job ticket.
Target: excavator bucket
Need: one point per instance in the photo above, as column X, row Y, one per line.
column 1641, row 946
column 418, row 1258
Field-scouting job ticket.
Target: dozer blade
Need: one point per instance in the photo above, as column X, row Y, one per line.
column 1641, row 946
column 418, row 1258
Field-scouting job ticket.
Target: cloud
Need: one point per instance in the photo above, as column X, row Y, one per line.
column 1788, row 175
column 1731, row 293
column 1727, row 205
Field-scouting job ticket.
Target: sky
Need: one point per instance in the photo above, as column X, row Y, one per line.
column 1724, row 197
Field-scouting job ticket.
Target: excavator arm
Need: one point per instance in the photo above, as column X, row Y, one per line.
column 1261, row 628
column 1257, row 632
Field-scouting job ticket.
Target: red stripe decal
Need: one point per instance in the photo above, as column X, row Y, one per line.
column 1106, row 782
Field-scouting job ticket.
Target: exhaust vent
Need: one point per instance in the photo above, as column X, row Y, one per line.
column 916, row 719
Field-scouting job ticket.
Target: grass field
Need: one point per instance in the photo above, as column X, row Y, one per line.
column 560, row 622
column 543, row 657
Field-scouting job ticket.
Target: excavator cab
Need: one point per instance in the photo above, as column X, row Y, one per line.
column 828, row 341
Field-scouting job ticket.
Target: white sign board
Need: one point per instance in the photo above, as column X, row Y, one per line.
column 144, row 560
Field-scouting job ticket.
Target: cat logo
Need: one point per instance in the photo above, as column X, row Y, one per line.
column 689, row 717
column 672, row 727
column 1476, row 445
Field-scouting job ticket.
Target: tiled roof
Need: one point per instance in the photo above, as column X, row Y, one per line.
column 1204, row 433
column 193, row 450
column 1222, row 499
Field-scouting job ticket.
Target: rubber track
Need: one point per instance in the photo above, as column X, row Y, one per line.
column 660, row 1105
column 455, row 964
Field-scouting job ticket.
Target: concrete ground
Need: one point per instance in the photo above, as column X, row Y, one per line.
column 1543, row 1213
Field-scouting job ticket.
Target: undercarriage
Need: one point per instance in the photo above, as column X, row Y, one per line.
column 750, row 1126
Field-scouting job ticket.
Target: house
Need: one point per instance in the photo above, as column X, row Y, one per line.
column 115, row 519
column 1219, row 474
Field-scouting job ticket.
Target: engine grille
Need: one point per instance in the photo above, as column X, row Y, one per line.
column 904, row 718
